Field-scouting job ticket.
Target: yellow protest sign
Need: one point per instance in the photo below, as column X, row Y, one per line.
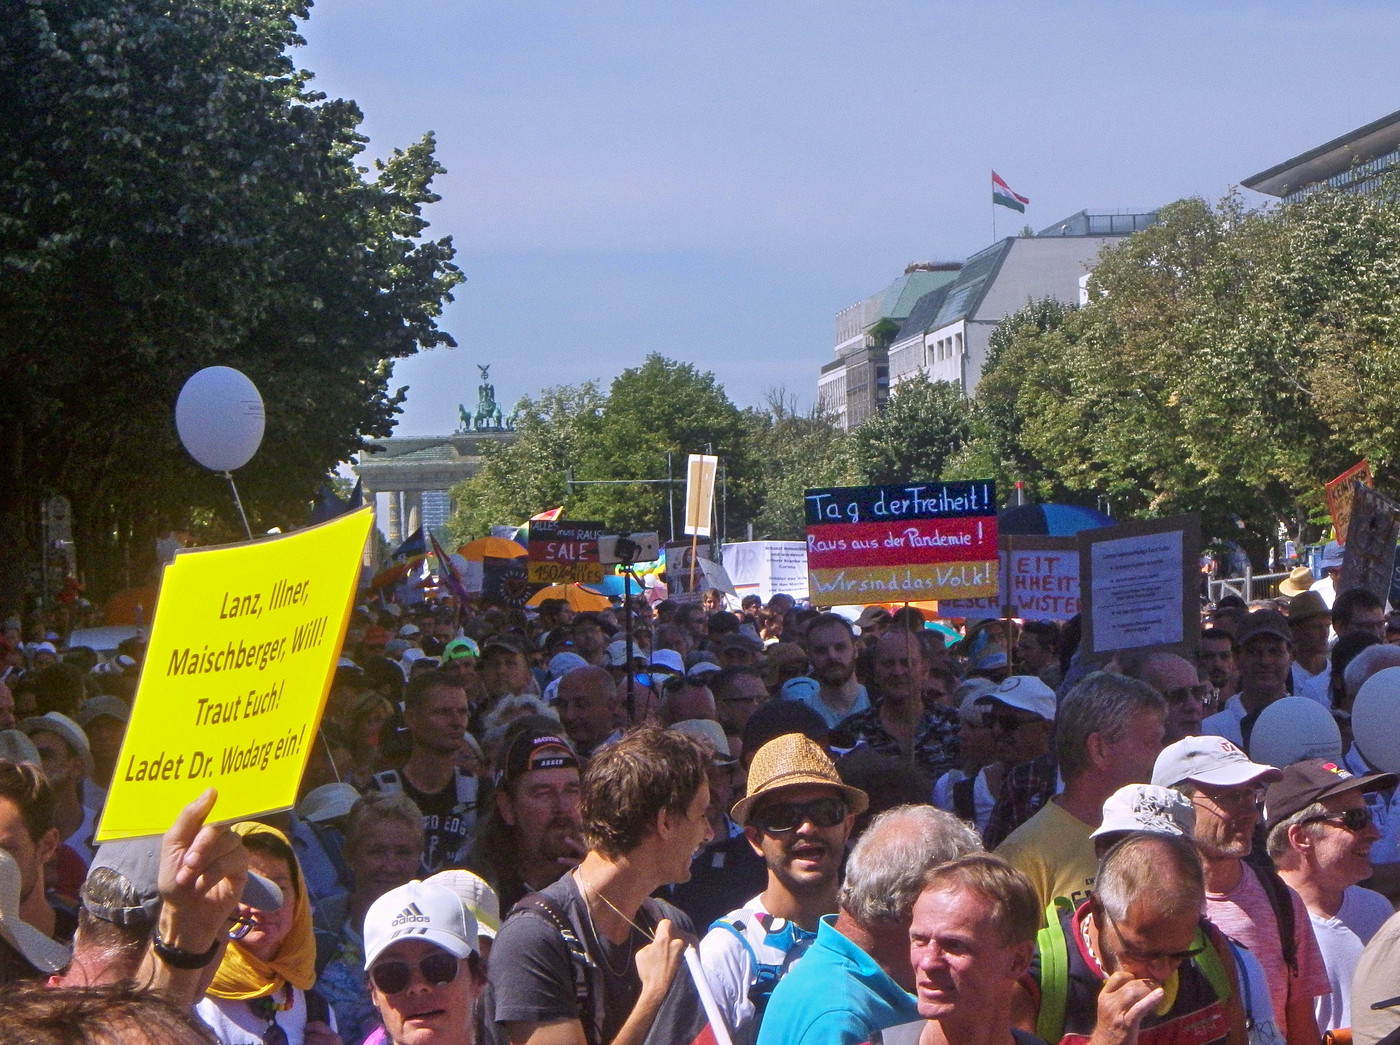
column 243, row 646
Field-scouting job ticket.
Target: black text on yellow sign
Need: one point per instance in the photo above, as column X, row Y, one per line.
column 243, row 647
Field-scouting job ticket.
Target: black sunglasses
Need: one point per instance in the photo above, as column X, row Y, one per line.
column 391, row 977
column 1010, row 723
column 782, row 817
column 1352, row 820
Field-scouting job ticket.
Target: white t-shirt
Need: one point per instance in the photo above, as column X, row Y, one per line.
column 1314, row 687
column 1226, row 722
column 235, row 1023
column 730, row 967
column 1341, row 940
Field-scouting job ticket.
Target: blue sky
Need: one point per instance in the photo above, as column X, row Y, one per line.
column 715, row 180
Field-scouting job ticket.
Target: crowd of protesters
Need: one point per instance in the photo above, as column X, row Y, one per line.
column 513, row 826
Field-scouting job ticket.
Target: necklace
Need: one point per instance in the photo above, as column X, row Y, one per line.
column 585, row 889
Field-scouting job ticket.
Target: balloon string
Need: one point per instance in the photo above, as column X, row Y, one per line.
column 236, row 500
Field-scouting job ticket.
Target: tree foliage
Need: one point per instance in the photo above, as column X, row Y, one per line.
column 619, row 438
column 923, row 424
column 1229, row 362
column 520, row 479
column 795, row 452
column 173, row 195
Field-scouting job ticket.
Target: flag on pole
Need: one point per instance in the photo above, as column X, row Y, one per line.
column 451, row 579
column 404, row 559
column 1003, row 196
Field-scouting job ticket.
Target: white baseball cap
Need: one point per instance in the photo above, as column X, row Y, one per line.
column 1208, row 760
column 37, row 949
column 1027, row 693
column 480, row 899
column 420, row 911
column 1147, row 807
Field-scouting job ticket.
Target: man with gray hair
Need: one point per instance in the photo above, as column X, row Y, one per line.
column 1320, row 835
column 1135, row 962
column 856, row 978
column 1108, row 733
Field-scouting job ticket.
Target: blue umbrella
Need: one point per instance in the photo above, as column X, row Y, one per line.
column 1053, row 520
column 611, row 586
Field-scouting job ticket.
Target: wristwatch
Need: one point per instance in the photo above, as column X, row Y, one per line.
column 179, row 958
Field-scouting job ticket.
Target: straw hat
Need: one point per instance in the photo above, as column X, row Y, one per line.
column 1299, row 580
column 793, row 760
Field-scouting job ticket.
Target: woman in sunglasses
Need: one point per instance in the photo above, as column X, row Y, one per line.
column 261, row 993
column 425, row 974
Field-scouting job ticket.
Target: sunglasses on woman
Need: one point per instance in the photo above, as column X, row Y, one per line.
column 392, row 976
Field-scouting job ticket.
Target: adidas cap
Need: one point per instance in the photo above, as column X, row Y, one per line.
column 419, row 911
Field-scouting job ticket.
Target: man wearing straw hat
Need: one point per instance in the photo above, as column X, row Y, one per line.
column 797, row 815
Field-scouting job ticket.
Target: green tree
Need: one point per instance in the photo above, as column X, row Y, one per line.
column 795, row 452
column 1229, row 362
column 172, row 195
column 527, row 476
column 923, row 424
column 662, row 406
column 1021, row 354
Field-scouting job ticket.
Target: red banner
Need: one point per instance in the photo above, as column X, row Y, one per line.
column 835, row 545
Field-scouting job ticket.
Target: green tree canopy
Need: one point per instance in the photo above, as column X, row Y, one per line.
column 923, row 424
column 1228, row 362
column 795, row 452
column 172, row 195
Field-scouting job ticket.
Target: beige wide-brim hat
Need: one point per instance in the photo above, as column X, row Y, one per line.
column 793, row 760
column 1299, row 580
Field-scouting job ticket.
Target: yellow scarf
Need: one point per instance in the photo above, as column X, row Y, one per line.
column 241, row 975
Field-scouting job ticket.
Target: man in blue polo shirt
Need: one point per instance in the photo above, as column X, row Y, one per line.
column 856, row 978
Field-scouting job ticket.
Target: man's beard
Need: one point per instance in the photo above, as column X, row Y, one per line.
column 835, row 674
column 558, row 839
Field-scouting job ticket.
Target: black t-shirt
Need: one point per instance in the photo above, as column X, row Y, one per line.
column 449, row 818
column 531, row 975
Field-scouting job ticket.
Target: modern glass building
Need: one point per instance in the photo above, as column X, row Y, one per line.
column 1355, row 162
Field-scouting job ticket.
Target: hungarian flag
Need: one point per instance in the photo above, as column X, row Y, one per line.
column 1002, row 194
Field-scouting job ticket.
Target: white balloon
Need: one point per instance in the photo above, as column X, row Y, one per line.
column 1375, row 720
column 220, row 418
column 1292, row 729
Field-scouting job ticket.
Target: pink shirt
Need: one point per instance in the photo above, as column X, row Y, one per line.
column 1244, row 915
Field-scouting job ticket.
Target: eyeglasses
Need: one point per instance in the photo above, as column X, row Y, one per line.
column 1236, row 797
column 1353, row 820
column 239, row 927
column 438, row 969
column 1180, row 695
column 1127, row 954
column 783, row 817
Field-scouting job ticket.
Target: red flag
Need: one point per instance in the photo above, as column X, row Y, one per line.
column 548, row 516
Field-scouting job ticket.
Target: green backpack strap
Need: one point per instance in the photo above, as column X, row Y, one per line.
column 1054, row 972
column 1208, row 961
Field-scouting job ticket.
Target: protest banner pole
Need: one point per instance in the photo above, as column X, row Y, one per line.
column 1008, row 610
